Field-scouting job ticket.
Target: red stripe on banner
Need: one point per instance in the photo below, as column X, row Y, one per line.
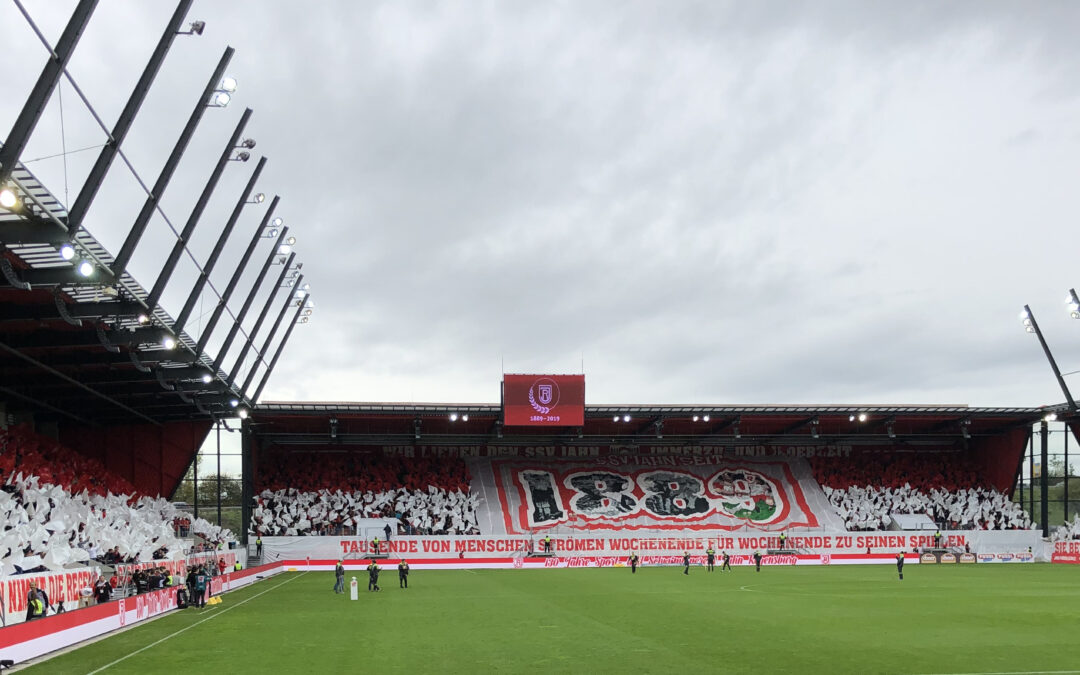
column 29, row 630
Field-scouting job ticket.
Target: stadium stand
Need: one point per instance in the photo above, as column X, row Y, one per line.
column 865, row 489
column 320, row 493
column 1068, row 530
column 59, row 509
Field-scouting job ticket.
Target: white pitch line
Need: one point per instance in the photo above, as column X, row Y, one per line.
column 172, row 635
column 1014, row 672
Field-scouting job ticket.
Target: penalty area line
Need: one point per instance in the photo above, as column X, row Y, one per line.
column 186, row 628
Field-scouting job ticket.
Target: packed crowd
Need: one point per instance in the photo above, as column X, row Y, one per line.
column 312, row 494
column 866, row 489
column 49, row 526
column 335, row 512
column 1067, row 530
column 869, row 508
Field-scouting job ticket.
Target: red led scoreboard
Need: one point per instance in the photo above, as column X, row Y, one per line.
column 544, row 400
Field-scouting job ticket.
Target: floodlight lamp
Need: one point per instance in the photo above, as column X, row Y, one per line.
column 86, row 268
column 284, row 249
column 233, row 402
column 242, row 156
column 307, row 312
column 207, row 378
column 290, row 283
column 272, row 233
column 291, row 241
column 194, row 28
column 625, row 418
column 242, row 413
column 1024, row 315
column 695, row 418
column 248, row 143
column 615, row 419
column 169, row 342
column 1074, row 307
column 143, row 319
column 301, row 293
column 7, row 198
column 307, row 287
column 1075, row 314
column 851, row 418
column 1027, row 322
column 863, row 417
column 464, row 418
column 1029, row 329
column 453, row 417
column 67, row 251
column 304, row 319
column 277, row 222
column 1050, row 417
column 220, row 99
column 228, row 84
column 257, row 198
column 705, row 418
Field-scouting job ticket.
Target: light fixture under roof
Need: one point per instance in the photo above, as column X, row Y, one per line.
column 67, row 251
column 8, row 199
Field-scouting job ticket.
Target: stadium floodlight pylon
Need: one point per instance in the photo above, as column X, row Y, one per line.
column 223, row 238
column 162, row 183
column 50, row 76
column 1027, row 318
column 258, row 323
column 196, row 214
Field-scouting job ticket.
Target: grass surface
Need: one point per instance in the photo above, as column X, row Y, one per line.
column 854, row 619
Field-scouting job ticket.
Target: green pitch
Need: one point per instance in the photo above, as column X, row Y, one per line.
column 947, row 619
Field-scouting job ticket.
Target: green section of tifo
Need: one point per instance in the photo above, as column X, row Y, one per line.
column 854, row 619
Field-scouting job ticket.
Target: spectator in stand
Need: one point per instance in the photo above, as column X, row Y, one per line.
column 102, row 590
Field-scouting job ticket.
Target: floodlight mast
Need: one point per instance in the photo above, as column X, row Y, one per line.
column 89, row 190
column 1030, row 323
column 270, row 337
column 196, row 215
column 41, row 93
column 143, row 219
column 258, row 323
column 211, row 261
column 281, row 347
column 235, row 279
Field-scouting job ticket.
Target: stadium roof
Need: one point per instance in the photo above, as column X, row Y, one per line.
column 78, row 351
column 433, row 423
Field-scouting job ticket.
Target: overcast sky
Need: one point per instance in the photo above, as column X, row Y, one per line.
column 698, row 202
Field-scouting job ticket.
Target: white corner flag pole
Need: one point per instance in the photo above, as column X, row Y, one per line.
column 355, row 594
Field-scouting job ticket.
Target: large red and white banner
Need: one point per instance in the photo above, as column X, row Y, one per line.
column 466, row 549
column 635, row 492
column 543, row 400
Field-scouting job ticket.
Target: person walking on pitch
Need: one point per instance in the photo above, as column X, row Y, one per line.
column 686, row 562
column 757, row 560
column 900, row 564
column 727, row 561
column 373, row 576
column 633, row 562
column 710, row 558
column 403, row 574
column 339, row 578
